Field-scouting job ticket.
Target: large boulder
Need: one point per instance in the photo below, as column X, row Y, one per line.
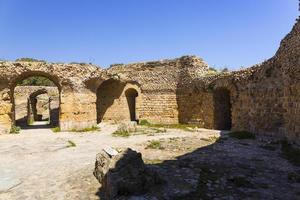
column 123, row 173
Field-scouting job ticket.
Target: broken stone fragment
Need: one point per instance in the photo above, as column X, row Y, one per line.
column 123, row 174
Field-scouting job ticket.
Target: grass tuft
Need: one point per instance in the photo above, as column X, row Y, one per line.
column 55, row 129
column 89, row 129
column 153, row 162
column 121, row 133
column 15, row 130
column 241, row 135
column 155, row 144
column 144, row 123
column 185, row 127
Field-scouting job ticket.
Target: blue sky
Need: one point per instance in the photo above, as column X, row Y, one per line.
column 231, row 33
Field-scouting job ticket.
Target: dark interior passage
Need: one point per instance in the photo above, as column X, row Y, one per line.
column 222, row 109
column 131, row 95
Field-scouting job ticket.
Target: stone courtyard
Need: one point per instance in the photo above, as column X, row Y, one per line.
column 197, row 164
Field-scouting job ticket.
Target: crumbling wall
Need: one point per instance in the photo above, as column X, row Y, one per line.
column 267, row 97
column 160, row 83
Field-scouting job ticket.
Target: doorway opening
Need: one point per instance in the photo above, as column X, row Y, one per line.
column 131, row 95
column 222, row 109
column 36, row 103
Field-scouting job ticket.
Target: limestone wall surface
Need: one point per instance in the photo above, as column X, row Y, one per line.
column 161, row 84
column 265, row 97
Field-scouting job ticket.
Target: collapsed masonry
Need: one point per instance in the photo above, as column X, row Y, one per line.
column 264, row 99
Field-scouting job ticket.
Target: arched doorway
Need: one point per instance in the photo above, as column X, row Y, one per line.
column 109, row 108
column 222, row 109
column 39, row 107
column 36, row 102
column 131, row 95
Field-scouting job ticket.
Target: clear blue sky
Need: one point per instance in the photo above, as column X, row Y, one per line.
column 229, row 33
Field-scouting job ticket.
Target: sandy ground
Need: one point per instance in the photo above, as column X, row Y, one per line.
column 39, row 164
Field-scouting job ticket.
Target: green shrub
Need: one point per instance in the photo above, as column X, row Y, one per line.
column 55, row 129
column 29, row 60
column 15, row 130
column 242, row 135
column 213, row 69
column 144, row 123
column 292, row 154
column 36, row 81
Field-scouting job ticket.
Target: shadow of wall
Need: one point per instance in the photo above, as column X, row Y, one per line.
column 107, row 93
column 223, row 168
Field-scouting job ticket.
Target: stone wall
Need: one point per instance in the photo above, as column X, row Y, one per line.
column 161, row 83
column 263, row 99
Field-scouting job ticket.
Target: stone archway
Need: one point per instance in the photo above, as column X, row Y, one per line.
column 39, row 103
column 222, row 109
column 76, row 84
column 36, row 103
column 117, row 101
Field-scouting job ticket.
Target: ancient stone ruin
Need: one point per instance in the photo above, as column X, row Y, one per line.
column 123, row 174
column 263, row 99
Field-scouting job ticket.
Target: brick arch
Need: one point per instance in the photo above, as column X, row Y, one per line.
column 112, row 101
column 228, row 84
column 32, row 111
column 14, row 82
column 133, row 93
column 17, row 79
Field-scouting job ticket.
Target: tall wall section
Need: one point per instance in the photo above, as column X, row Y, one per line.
column 162, row 86
column 266, row 98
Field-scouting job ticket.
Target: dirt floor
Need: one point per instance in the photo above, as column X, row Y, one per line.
column 195, row 164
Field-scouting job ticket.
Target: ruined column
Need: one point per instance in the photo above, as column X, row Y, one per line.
column 77, row 109
column 6, row 115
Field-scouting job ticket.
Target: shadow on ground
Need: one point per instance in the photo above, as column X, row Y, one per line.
column 228, row 168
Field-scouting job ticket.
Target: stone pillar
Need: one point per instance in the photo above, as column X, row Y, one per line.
column 6, row 115
column 77, row 110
